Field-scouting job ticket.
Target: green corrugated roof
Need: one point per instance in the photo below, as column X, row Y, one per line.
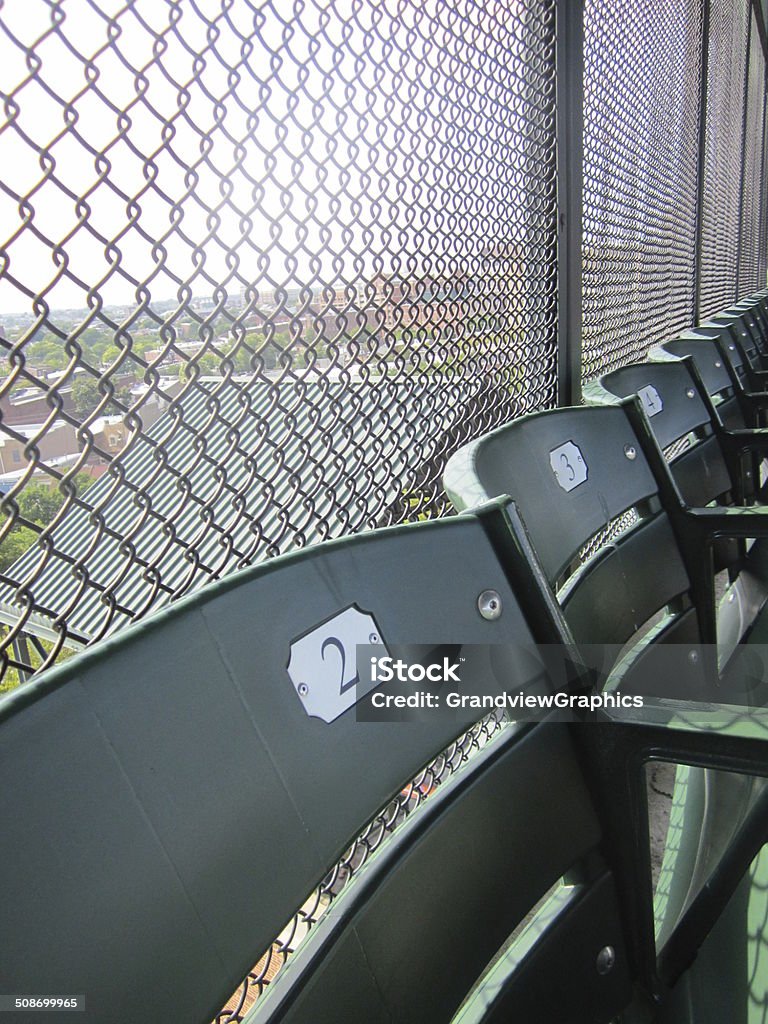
column 221, row 478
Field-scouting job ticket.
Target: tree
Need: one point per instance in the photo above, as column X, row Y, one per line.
column 86, row 396
column 14, row 545
column 38, row 503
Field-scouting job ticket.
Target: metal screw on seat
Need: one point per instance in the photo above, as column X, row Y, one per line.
column 489, row 604
column 606, row 960
column 630, row 451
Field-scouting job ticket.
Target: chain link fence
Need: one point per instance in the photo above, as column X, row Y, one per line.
column 726, row 91
column 642, row 73
column 752, row 257
column 264, row 268
column 268, row 268
column 674, row 149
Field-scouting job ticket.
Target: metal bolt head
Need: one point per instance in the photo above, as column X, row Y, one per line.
column 373, row 638
column 606, row 960
column 693, row 657
column 690, row 393
column 303, row 689
column 489, row 604
column 630, row 451
column 731, row 348
column 718, row 364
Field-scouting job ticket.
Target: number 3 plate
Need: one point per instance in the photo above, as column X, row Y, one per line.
column 323, row 663
column 568, row 465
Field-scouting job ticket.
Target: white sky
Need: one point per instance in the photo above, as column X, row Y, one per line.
column 414, row 157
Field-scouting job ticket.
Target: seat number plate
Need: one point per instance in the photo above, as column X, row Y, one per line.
column 651, row 400
column 568, row 465
column 323, row 663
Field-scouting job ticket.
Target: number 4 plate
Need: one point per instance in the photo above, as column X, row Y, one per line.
column 651, row 400
column 323, row 663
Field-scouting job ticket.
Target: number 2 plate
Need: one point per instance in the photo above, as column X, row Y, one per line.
column 323, row 663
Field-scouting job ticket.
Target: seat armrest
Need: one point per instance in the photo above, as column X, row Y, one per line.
column 709, row 523
column 746, row 440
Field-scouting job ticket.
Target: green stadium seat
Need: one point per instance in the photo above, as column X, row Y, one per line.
column 172, row 796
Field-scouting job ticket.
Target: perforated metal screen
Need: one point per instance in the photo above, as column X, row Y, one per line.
column 642, row 67
column 762, row 242
column 724, row 129
column 263, row 269
column 752, row 259
column 674, row 151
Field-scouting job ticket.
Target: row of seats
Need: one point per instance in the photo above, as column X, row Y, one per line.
column 173, row 795
column 677, row 519
column 637, row 505
column 170, row 798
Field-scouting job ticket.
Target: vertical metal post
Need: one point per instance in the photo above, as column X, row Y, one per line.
column 743, row 152
column 21, row 655
column 570, row 151
column 701, row 162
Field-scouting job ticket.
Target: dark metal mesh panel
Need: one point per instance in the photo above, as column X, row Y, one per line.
column 724, row 125
column 263, row 268
column 762, row 244
column 750, row 256
column 642, row 65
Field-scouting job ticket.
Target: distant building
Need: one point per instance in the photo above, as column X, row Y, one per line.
column 109, row 433
column 57, row 441
column 220, row 492
column 32, row 405
column 394, row 302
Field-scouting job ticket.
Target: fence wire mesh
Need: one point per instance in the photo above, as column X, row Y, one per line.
column 264, row 267
column 752, row 260
column 642, row 68
column 762, row 241
column 723, row 132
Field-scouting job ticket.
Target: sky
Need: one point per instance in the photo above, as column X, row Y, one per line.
column 156, row 143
